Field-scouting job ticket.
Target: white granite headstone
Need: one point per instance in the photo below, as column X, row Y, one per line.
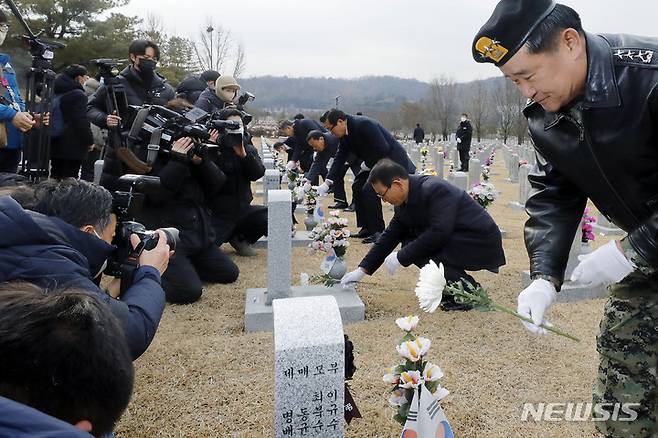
column 474, row 172
column 459, row 180
column 309, row 367
column 271, row 181
column 279, row 248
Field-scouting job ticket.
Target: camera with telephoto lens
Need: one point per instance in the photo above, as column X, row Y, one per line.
column 242, row 101
column 127, row 203
column 155, row 129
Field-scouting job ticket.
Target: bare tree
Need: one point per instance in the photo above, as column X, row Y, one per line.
column 213, row 47
column 240, row 62
column 479, row 107
column 441, row 103
column 506, row 99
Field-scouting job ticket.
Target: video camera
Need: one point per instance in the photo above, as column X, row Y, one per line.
column 157, row 127
column 127, row 204
column 242, row 101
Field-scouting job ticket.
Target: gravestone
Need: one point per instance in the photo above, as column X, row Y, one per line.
column 440, row 165
column 268, row 163
column 454, row 156
column 514, row 169
column 309, row 367
column 258, row 301
column 570, row 291
column 474, row 172
column 271, row 181
column 459, row 180
column 415, row 156
column 606, row 228
column 524, row 188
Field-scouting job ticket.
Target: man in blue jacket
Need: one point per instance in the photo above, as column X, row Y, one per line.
column 368, row 140
column 69, row 248
column 12, row 110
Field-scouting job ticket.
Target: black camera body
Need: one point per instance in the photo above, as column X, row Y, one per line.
column 127, row 203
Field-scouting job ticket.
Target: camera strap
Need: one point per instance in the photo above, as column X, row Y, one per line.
column 153, row 146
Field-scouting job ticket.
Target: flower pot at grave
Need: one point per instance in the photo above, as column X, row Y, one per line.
column 310, row 221
column 338, row 269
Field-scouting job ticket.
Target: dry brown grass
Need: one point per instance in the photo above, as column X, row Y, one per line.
column 203, row 376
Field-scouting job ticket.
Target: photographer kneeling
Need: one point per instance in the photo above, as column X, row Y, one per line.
column 235, row 220
column 64, row 242
column 187, row 182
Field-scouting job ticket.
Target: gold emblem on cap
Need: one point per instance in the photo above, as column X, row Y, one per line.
column 490, row 48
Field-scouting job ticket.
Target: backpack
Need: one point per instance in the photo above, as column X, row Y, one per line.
column 57, row 124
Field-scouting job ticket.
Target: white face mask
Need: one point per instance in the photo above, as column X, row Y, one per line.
column 227, row 95
column 3, row 35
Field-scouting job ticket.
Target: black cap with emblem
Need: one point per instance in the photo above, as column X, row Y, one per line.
column 509, row 27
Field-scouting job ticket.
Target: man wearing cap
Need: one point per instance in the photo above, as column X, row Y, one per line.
column 593, row 118
column 208, row 100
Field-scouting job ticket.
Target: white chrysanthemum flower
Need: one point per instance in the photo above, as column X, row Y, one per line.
column 407, row 323
column 429, row 288
column 398, row 398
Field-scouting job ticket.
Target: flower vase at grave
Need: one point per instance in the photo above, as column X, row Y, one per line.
column 310, row 221
column 335, row 267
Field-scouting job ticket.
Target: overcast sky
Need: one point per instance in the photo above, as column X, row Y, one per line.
column 419, row 39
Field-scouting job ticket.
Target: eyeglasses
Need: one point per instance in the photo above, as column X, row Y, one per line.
column 383, row 194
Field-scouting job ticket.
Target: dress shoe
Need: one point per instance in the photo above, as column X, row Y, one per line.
column 350, row 209
column 373, row 238
column 361, row 234
column 339, row 205
column 243, row 248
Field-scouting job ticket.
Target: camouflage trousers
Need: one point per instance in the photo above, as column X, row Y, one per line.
column 628, row 351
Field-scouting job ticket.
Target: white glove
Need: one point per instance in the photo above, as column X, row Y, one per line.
column 534, row 301
column 352, row 277
column 364, row 166
column 605, row 266
column 323, row 189
column 291, row 165
column 391, row 263
column 307, row 186
column 459, row 140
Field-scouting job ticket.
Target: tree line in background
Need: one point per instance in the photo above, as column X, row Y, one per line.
column 90, row 31
column 495, row 108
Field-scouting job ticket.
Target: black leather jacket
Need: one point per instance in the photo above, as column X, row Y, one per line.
column 610, row 157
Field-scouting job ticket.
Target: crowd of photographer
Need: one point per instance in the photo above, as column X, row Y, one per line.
column 176, row 161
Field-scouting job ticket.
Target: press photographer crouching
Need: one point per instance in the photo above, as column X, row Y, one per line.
column 189, row 179
column 61, row 238
column 234, row 219
column 66, row 370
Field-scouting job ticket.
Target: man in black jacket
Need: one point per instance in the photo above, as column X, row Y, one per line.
column 419, row 134
column 142, row 85
column 63, row 241
column 593, row 119
column 464, row 135
column 302, row 153
column 188, row 182
column 69, row 148
column 234, row 219
column 433, row 220
column 369, row 141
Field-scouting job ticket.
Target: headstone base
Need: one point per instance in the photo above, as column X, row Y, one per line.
column 301, row 238
column 572, row 292
column 258, row 315
column 516, row 206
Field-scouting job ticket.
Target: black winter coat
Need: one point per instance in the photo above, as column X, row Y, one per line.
column 369, row 141
column 303, row 152
column 610, row 156
column 465, row 133
column 209, row 102
column 182, row 201
column 322, row 158
column 235, row 195
column 442, row 223
column 74, row 142
column 157, row 92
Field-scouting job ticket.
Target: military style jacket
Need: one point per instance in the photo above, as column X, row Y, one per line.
column 609, row 155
